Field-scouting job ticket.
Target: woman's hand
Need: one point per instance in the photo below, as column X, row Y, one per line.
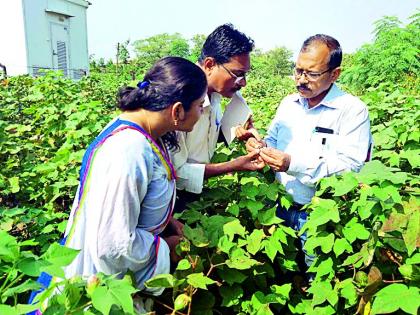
column 176, row 226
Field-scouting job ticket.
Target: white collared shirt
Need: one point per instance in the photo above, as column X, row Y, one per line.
column 197, row 147
column 315, row 155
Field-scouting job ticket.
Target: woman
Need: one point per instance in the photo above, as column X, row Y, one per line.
column 127, row 182
column 127, row 196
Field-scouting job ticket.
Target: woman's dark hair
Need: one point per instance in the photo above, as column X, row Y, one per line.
column 224, row 43
column 170, row 80
column 336, row 54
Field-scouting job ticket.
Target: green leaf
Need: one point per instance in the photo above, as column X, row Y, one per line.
column 325, row 210
column 324, row 240
column 233, row 209
column 231, row 295
column 375, row 171
column 183, row 264
column 342, row 245
column 199, row 280
column 234, row 228
column 395, row 222
column 396, row 296
column 231, row 276
column 303, row 307
column 272, row 246
column 26, row 286
column 7, row 310
column 18, row 309
column 413, row 260
column 213, row 226
column 412, row 235
column 324, row 310
column 353, row 230
column 114, row 292
column 286, row 201
column 269, row 217
column 191, row 216
column 56, row 257
column 348, row 291
column 254, row 206
column 239, row 260
column 410, row 272
column 252, row 179
column 59, row 255
column 197, row 236
column 31, row 266
column 203, row 303
column 161, row 281
column 121, row 290
column 272, row 193
column 9, row 248
column 413, row 157
column 258, row 305
column 225, row 245
column 25, row 308
column 249, row 190
column 323, row 291
column 281, row 292
column 347, row 183
column 325, row 267
column 254, row 241
column 14, row 184
column 101, row 301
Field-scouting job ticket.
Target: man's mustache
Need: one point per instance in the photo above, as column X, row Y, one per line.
column 303, row 87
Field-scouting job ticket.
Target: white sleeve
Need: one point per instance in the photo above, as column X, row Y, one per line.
column 190, row 176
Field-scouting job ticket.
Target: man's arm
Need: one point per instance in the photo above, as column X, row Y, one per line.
column 247, row 162
column 190, row 176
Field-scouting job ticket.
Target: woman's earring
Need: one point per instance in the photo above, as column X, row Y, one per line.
column 176, row 122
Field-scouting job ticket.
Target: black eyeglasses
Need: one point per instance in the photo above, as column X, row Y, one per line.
column 236, row 77
column 312, row 76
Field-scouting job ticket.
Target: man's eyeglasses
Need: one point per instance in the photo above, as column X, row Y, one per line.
column 312, row 76
column 236, row 77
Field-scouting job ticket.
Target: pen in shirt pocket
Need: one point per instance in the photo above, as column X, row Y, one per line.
column 326, row 131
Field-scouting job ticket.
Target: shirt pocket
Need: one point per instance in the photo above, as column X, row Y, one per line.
column 324, row 144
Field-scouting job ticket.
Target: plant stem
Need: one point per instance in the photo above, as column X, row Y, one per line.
column 392, row 281
column 168, row 307
column 81, row 308
column 14, row 281
column 5, row 282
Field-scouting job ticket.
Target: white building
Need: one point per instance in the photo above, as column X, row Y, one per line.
column 44, row 34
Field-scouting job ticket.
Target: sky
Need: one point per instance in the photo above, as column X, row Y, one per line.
column 271, row 23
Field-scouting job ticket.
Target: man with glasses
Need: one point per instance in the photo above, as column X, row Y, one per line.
column 225, row 59
column 318, row 132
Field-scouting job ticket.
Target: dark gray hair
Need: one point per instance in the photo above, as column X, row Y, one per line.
column 336, row 54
